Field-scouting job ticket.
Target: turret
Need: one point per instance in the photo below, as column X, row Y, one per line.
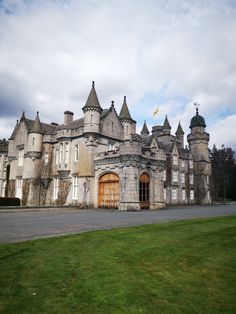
column 129, row 125
column 198, row 139
column 166, row 126
column 35, row 140
column 145, row 130
column 180, row 135
column 92, row 112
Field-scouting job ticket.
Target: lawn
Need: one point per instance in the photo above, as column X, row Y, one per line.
column 177, row 267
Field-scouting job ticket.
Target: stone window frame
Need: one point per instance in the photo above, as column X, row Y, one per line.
column 183, row 195
column 191, row 195
column 21, row 157
column 55, row 188
column 76, row 154
column 75, row 188
column 174, row 194
column 175, row 176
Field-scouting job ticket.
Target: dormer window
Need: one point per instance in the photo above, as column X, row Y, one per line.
column 111, row 146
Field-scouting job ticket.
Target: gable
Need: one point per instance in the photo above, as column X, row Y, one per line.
column 111, row 125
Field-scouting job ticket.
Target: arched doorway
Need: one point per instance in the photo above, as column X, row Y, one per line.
column 144, row 182
column 109, row 191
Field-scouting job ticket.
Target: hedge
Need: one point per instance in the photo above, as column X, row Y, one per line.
column 9, row 201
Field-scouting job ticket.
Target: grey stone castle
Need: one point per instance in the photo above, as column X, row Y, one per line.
column 99, row 160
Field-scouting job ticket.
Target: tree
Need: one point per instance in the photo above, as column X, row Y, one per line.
column 223, row 173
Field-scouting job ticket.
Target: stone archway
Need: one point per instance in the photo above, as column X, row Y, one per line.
column 144, row 191
column 109, row 191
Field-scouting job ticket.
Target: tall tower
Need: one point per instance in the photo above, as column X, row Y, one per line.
column 92, row 112
column 129, row 125
column 198, row 141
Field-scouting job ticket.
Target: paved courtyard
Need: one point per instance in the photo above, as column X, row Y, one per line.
column 16, row 226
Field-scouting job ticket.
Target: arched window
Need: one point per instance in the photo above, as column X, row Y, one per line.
column 144, row 190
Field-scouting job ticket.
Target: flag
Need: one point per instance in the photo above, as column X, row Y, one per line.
column 155, row 112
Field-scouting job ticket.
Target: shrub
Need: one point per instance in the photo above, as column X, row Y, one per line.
column 9, row 201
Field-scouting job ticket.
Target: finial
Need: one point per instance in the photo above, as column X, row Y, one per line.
column 124, row 98
column 93, row 83
column 37, row 113
column 17, row 121
column 196, row 104
column 112, row 103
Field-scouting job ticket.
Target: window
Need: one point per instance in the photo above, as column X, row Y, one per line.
column 183, row 178
column 164, row 175
column 75, row 188
column 21, row 157
column 61, row 152
column 175, row 160
column 19, row 183
column 33, row 139
column 91, row 119
column 208, row 195
column 127, row 129
column 182, row 164
column 183, row 195
column 55, row 188
column 191, row 195
column 190, row 164
column 66, row 152
column 112, row 127
column 111, row 146
column 57, row 156
column 207, row 179
column 174, row 194
column 164, row 193
column 45, row 157
column 191, row 178
column 3, row 188
column 175, row 176
column 76, row 152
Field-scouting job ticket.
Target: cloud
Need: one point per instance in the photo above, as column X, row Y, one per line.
column 164, row 53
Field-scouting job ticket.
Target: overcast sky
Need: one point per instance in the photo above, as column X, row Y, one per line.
column 159, row 53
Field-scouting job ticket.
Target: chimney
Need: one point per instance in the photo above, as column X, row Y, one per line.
column 68, row 117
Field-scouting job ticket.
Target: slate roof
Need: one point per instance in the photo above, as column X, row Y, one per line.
column 166, row 124
column 37, row 126
column 179, row 130
column 92, row 101
column 124, row 112
column 145, row 130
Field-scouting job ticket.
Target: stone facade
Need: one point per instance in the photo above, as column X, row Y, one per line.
column 99, row 160
column 3, row 166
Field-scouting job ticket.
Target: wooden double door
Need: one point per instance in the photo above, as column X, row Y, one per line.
column 109, row 191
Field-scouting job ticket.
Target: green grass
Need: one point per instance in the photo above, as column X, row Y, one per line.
column 178, row 267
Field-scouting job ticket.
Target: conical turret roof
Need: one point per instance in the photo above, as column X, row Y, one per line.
column 166, row 124
column 145, row 130
column 124, row 112
column 179, row 130
column 37, row 127
column 92, row 101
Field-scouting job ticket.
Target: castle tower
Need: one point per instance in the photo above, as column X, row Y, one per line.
column 180, row 135
column 145, row 130
column 92, row 112
column 35, row 140
column 198, row 141
column 129, row 125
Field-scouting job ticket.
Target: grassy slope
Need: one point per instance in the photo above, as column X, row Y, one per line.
column 178, row 267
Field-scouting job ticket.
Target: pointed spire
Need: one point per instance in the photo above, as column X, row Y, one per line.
column 22, row 116
column 179, row 130
column 92, row 101
column 124, row 113
column 37, row 126
column 166, row 125
column 145, row 130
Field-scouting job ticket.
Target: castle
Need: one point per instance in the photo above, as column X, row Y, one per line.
column 100, row 161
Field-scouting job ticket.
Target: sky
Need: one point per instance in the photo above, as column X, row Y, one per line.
column 162, row 54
